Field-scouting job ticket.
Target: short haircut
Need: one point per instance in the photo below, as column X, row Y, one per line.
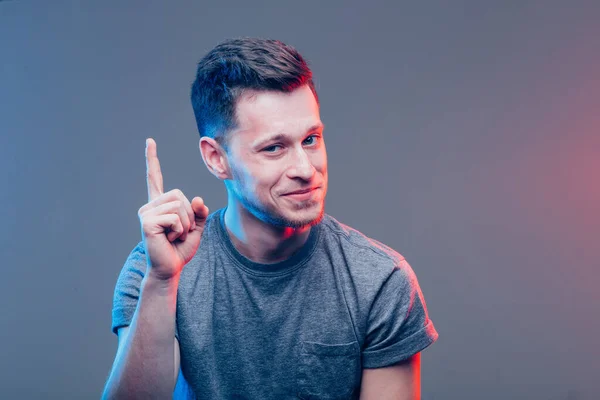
column 236, row 65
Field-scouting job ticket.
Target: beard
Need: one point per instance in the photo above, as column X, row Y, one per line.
column 276, row 218
column 270, row 215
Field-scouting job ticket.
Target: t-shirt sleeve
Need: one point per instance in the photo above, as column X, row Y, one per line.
column 398, row 322
column 127, row 289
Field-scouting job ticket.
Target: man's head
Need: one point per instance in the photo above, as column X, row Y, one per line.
column 246, row 92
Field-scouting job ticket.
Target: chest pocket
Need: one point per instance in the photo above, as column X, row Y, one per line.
column 329, row 371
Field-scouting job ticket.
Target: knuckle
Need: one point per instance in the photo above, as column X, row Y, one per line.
column 172, row 194
column 179, row 227
column 185, row 221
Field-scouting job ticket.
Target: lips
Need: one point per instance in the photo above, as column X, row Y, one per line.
column 301, row 191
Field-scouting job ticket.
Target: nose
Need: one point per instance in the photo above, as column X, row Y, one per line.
column 301, row 166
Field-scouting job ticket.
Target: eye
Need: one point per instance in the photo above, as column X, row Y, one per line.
column 271, row 149
column 315, row 137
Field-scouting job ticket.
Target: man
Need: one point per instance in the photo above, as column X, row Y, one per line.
column 268, row 298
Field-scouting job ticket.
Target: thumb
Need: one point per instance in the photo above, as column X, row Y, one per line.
column 200, row 210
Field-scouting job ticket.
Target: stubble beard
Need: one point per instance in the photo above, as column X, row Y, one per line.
column 273, row 216
column 276, row 218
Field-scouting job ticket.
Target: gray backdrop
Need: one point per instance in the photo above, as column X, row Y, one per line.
column 463, row 134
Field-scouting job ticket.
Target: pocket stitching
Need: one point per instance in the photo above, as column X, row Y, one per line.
column 325, row 351
column 342, row 349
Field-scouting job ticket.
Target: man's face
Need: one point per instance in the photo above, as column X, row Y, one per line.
column 278, row 148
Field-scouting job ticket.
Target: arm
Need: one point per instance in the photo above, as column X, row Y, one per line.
column 401, row 381
column 124, row 331
column 398, row 330
column 148, row 354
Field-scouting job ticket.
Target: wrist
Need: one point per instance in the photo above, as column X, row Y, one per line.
column 160, row 284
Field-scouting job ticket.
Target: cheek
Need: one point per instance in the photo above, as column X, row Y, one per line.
column 270, row 182
column 320, row 162
column 245, row 182
column 261, row 180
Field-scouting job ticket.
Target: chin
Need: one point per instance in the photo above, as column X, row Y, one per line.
column 303, row 218
column 297, row 218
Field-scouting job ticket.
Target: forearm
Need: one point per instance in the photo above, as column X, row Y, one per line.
column 144, row 365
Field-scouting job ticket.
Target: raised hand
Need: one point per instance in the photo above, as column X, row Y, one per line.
column 171, row 226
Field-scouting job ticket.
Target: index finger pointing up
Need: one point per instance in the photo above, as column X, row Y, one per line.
column 154, row 177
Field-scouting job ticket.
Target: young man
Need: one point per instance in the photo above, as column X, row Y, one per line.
column 267, row 298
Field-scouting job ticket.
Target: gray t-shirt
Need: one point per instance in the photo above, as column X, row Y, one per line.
column 301, row 328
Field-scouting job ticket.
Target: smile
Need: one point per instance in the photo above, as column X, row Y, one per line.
column 302, row 196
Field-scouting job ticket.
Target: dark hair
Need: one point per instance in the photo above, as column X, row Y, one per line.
column 236, row 65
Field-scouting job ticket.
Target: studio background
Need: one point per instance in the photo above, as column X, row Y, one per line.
column 463, row 134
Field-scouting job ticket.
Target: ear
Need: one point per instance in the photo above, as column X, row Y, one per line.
column 214, row 157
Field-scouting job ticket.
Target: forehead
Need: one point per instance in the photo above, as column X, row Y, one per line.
column 263, row 113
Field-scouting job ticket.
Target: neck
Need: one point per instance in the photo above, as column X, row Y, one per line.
column 259, row 241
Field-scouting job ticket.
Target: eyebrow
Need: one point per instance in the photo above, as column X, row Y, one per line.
column 281, row 136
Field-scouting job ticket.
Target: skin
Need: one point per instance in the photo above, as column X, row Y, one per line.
column 264, row 223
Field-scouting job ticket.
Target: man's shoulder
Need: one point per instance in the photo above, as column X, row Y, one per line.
column 366, row 267
column 362, row 251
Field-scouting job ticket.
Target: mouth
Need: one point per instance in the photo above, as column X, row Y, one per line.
column 302, row 191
